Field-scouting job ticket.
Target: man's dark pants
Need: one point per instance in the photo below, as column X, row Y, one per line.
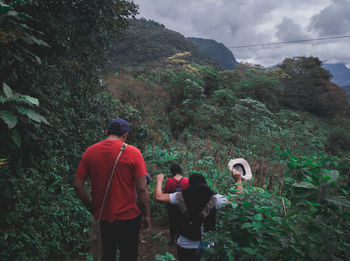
column 122, row 235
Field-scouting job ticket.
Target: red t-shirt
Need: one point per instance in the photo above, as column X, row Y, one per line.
column 171, row 184
column 97, row 164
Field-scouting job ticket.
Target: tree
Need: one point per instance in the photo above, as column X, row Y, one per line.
column 260, row 85
column 309, row 88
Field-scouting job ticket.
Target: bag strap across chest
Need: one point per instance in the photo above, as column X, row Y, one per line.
column 110, row 181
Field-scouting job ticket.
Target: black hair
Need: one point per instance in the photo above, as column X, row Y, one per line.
column 115, row 132
column 196, row 197
column 197, row 179
column 174, row 169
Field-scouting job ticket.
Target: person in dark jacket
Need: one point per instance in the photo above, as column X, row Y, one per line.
column 198, row 205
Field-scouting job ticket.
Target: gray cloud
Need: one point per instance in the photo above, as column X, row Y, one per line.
column 245, row 22
column 289, row 30
column 332, row 20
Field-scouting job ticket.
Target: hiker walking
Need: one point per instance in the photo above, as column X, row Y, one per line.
column 198, row 205
column 117, row 173
column 177, row 183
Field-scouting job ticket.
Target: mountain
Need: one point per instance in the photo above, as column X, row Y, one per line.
column 147, row 42
column 218, row 51
column 341, row 74
column 347, row 91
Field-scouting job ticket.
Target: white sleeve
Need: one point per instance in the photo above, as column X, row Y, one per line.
column 173, row 199
column 221, row 201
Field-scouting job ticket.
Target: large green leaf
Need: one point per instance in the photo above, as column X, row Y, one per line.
column 34, row 116
column 32, row 39
column 7, row 90
column 331, row 177
column 31, row 114
column 22, row 110
column 339, row 201
column 4, row 8
column 9, row 118
column 2, row 99
column 29, row 99
column 304, row 184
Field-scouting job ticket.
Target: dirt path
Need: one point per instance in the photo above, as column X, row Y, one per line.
column 155, row 242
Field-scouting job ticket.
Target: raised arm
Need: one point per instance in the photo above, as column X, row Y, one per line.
column 143, row 197
column 160, row 196
column 238, row 179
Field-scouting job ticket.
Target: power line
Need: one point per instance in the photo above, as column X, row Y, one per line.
column 287, row 42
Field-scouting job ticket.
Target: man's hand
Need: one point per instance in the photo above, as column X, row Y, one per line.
column 160, row 178
column 83, row 194
column 237, row 176
column 160, row 196
column 146, row 221
column 143, row 197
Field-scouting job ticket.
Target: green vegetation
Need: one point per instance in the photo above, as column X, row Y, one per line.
column 55, row 102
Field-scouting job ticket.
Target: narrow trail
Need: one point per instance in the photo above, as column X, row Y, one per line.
column 155, row 242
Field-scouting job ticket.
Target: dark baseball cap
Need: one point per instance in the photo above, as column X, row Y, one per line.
column 118, row 127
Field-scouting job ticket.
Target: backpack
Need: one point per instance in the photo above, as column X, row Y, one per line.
column 178, row 185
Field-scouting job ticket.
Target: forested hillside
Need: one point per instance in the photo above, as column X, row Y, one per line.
column 150, row 43
column 291, row 123
column 218, row 51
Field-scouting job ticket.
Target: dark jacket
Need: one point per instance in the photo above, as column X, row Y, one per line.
column 198, row 208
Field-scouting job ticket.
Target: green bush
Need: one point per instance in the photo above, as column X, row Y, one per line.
column 309, row 221
column 338, row 141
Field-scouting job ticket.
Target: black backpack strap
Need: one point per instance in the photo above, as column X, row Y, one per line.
column 178, row 182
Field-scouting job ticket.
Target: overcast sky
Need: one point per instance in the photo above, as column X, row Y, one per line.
column 245, row 22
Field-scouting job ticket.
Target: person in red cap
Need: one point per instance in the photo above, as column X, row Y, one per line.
column 120, row 217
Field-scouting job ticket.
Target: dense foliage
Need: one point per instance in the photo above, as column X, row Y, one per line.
column 55, row 101
column 52, row 107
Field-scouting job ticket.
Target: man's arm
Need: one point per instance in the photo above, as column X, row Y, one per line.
column 143, row 197
column 160, row 196
column 238, row 178
column 83, row 194
column 239, row 189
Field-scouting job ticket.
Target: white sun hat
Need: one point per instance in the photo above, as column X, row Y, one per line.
column 242, row 166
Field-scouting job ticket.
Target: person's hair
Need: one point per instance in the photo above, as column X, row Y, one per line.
column 196, row 197
column 174, row 169
column 115, row 132
column 197, row 179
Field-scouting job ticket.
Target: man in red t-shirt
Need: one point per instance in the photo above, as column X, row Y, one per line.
column 120, row 221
